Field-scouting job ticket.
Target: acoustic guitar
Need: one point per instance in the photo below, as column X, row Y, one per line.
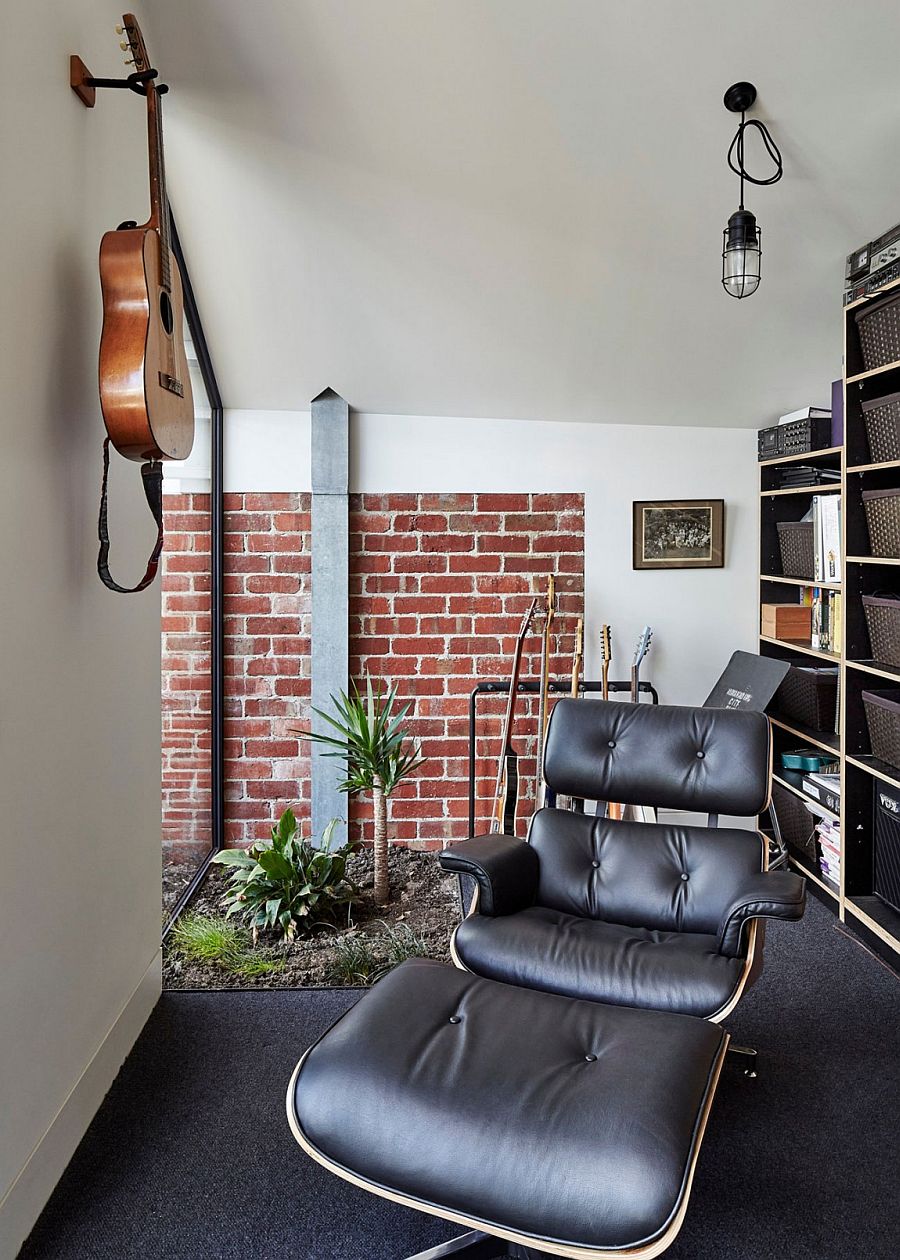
column 506, row 789
column 145, row 384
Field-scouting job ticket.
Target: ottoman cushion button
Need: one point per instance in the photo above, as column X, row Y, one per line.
column 684, row 875
column 596, row 865
column 612, row 743
column 590, row 1058
column 455, row 1019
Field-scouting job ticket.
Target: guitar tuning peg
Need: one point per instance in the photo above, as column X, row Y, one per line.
column 124, row 45
column 120, row 30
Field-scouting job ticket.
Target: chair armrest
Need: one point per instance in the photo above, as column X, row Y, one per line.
column 504, row 868
column 767, row 895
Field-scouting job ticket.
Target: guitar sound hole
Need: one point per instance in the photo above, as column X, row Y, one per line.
column 165, row 312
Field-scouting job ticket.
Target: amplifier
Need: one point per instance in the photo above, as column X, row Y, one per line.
column 872, row 266
column 797, row 438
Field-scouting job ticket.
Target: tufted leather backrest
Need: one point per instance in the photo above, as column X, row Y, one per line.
column 713, row 760
column 650, row 875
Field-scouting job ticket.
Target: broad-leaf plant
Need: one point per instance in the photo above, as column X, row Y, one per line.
column 287, row 884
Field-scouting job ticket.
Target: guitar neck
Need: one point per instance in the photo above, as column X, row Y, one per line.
column 159, row 201
column 635, row 683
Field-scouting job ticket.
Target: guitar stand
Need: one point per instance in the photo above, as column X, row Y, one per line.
column 85, row 85
column 531, row 688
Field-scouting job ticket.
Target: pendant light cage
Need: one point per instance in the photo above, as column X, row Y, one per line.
column 742, row 238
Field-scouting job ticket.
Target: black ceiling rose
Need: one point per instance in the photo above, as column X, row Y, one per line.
column 740, row 97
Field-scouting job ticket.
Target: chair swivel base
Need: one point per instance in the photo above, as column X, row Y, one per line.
column 476, row 1245
column 528, row 1118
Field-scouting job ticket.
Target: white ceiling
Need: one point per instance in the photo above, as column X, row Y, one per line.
column 514, row 207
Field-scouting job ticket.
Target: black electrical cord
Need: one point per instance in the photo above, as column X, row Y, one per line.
column 736, row 154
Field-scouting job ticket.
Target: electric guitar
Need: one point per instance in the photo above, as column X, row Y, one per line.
column 506, row 789
column 145, row 384
column 613, row 810
column 640, row 813
column 544, row 700
column 605, row 660
column 577, row 658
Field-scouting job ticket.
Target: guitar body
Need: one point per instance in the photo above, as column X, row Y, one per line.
column 510, row 794
column 145, row 383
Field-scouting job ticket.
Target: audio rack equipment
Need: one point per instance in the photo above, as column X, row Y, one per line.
column 872, row 266
column 797, row 438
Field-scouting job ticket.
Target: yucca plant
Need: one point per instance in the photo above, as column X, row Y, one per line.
column 286, row 883
column 377, row 754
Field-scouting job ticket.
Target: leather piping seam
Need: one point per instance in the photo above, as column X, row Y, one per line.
column 646, row 1250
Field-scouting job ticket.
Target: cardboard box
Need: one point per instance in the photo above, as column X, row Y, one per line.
column 792, row 622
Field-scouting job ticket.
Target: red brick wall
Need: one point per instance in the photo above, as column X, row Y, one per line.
column 267, row 687
column 186, row 761
column 439, row 583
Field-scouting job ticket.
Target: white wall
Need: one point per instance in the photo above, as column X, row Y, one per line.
column 700, row 616
column 79, row 683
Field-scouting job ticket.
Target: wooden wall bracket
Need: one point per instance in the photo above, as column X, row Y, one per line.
column 85, row 85
column 80, row 81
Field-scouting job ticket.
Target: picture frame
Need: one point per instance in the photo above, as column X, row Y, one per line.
column 678, row 534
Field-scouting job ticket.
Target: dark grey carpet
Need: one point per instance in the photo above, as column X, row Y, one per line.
column 190, row 1156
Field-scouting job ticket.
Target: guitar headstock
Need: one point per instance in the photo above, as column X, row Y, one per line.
column 642, row 647
column 605, row 644
column 579, row 638
column 550, row 603
column 527, row 619
column 133, row 43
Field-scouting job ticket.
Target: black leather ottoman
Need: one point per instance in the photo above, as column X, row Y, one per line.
column 567, row 1128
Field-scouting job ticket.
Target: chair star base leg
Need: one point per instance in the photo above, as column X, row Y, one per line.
column 478, row 1246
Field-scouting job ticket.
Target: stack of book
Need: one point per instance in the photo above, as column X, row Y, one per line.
column 825, row 512
column 829, row 833
column 824, row 787
column 825, row 623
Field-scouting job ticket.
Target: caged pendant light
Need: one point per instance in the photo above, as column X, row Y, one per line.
column 742, row 238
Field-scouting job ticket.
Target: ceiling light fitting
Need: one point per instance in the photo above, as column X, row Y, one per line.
column 742, row 238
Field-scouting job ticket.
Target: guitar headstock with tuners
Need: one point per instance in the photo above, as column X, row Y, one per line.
column 605, row 644
column 527, row 620
column 133, row 43
column 642, row 647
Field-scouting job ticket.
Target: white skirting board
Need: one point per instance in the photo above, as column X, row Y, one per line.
column 27, row 1196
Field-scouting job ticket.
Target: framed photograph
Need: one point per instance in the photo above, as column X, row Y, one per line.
column 679, row 534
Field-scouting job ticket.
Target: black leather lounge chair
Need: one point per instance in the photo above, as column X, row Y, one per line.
column 544, row 1123
column 655, row 915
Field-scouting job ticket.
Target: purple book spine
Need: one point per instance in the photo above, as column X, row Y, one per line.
column 837, row 413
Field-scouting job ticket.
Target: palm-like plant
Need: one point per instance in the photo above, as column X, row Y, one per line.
column 377, row 754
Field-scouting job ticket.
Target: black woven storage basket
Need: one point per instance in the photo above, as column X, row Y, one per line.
column 795, row 541
column 795, row 822
column 883, row 720
column 809, row 696
column 883, row 519
column 879, row 331
column 882, row 421
column 883, row 621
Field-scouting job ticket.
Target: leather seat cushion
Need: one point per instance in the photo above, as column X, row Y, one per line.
column 557, row 952
column 563, row 1122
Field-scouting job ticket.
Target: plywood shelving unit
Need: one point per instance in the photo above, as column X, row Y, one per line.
column 855, row 901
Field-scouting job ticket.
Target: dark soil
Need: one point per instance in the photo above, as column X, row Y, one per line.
column 175, row 878
column 423, row 910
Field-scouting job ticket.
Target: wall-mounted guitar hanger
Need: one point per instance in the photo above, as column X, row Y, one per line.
column 85, row 85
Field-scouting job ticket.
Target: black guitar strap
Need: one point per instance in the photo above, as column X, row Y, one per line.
column 152, row 476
